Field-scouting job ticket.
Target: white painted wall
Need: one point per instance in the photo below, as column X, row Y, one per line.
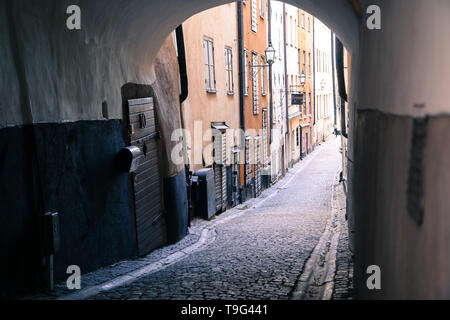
column 415, row 67
column 323, row 80
column 278, row 83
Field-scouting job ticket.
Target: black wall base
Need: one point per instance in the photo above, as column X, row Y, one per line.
column 69, row 169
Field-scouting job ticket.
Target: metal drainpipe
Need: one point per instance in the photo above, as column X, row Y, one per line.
column 301, row 142
column 314, row 68
column 182, row 65
column 333, row 63
column 241, row 67
column 184, row 86
column 183, row 77
column 285, row 69
column 269, row 17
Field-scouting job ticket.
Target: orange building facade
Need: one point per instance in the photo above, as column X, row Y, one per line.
column 300, row 82
column 256, row 91
column 210, row 113
column 306, row 52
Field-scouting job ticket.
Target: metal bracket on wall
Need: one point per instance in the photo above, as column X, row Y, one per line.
column 415, row 202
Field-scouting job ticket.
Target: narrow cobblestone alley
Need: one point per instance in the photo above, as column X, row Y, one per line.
column 261, row 253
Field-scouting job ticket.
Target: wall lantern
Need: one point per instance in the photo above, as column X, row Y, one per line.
column 270, row 54
column 303, row 79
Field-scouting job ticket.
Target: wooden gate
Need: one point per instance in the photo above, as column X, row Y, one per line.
column 235, row 182
column 220, row 172
column 150, row 222
column 258, row 186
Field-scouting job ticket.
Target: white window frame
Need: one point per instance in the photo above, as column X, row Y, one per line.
column 255, row 84
column 262, row 11
column 229, row 70
column 246, row 67
column 254, row 13
column 263, row 76
column 210, row 73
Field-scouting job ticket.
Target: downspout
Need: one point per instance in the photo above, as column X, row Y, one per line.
column 184, row 84
column 182, row 66
column 285, row 69
column 341, row 84
column 269, row 17
column 301, row 142
column 314, row 68
column 333, row 63
column 184, row 88
column 241, row 68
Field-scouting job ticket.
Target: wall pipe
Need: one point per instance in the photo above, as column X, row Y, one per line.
column 242, row 67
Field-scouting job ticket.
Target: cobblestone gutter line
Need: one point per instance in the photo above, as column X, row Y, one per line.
column 343, row 288
column 201, row 234
column 318, row 277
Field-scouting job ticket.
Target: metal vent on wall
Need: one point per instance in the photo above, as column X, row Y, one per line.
column 415, row 195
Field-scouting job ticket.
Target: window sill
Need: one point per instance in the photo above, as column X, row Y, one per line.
column 212, row 91
column 230, row 93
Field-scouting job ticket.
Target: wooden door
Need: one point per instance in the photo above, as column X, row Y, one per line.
column 150, row 222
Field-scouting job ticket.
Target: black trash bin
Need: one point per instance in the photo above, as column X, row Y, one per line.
column 205, row 204
column 176, row 203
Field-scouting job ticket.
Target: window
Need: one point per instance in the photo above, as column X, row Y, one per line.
column 304, row 62
column 254, row 20
column 210, row 80
column 310, row 104
column 229, row 70
column 309, row 64
column 291, row 30
column 255, row 85
column 246, row 66
column 305, row 104
column 265, row 138
column 303, row 21
column 248, row 167
column 263, row 76
column 262, row 8
column 309, row 24
column 317, row 60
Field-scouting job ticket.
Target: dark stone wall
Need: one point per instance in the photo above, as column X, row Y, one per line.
column 66, row 168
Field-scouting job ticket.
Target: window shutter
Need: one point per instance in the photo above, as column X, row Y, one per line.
column 254, row 15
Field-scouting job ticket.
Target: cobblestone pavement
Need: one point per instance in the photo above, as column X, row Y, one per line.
column 261, row 252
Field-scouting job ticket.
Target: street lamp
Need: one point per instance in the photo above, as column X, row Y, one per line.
column 270, row 54
column 303, row 79
column 270, row 58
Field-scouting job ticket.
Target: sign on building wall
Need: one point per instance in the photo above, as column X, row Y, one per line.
column 297, row 98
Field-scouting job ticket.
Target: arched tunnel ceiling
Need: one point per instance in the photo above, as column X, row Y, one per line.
column 160, row 17
column 70, row 73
